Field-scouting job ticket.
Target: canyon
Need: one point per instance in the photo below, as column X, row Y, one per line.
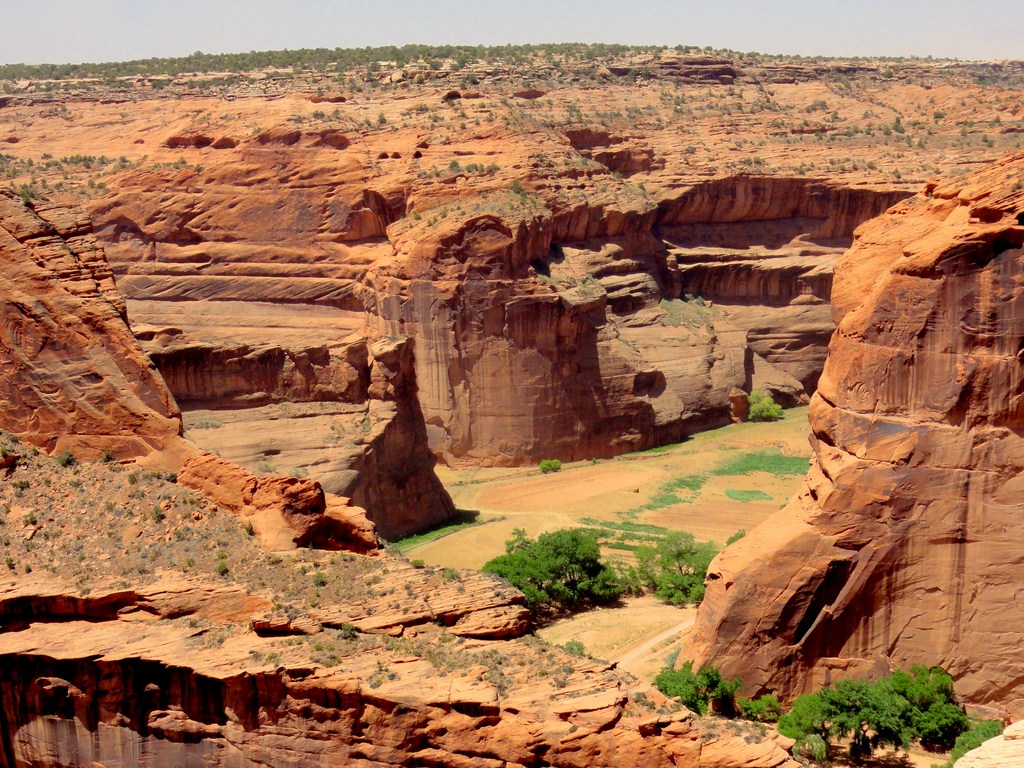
column 284, row 299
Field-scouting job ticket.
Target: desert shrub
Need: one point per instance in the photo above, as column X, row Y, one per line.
column 576, row 648
column 980, row 732
column 763, row 407
column 557, row 570
column 550, row 465
column 812, row 747
column 65, row 459
column 763, row 709
column 735, row 537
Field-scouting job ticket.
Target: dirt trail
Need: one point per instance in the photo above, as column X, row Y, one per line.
column 640, row 652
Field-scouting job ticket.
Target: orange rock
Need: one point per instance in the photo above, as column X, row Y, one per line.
column 899, row 549
column 284, row 512
column 72, row 377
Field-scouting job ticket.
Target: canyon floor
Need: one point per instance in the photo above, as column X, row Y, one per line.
column 625, row 497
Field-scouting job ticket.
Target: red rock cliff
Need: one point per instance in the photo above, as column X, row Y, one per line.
column 905, row 546
column 72, row 376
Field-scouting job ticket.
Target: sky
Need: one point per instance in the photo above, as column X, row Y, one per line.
column 73, row 31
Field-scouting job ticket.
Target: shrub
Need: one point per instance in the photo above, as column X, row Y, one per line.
column 550, row 465
column 735, row 537
column 66, row 459
column 980, row 732
column 763, row 709
column 763, row 407
column 576, row 648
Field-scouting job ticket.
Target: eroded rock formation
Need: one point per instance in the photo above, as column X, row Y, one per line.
column 72, row 377
column 905, row 546
column 75, row 380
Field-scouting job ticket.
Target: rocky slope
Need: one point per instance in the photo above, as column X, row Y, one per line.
column 904, row 545
column 538, row 244
column 72, row 377
column 140, row 624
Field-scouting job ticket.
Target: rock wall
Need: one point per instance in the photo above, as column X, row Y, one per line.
column 904, row 546
column 104, row 693
column 72, row 377
column 535, row 297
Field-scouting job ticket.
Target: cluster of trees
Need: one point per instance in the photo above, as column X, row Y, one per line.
column 557, row 571
column 892, row 711
column 321, row 59
column 563, row 570
column 674, row 569
column 903, row 707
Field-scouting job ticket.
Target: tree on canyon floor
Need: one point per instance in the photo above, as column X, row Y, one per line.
column 903, row 707
column 557, row 571
column 890, row 712
column 762, row 407
column 676, row 567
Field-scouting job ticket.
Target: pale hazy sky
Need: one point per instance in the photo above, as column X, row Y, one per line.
column 69, row 31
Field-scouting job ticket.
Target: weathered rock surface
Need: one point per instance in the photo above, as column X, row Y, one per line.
column 102, row 692
column 527, row 247
column 1003, row 751
column 72, row 377
column 905, row 544
column 75, row 379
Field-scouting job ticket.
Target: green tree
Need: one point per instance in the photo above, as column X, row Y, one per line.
column 892, row 711
column 700, row 691
column 559, row 570
column 676, row 568
column 762, row 407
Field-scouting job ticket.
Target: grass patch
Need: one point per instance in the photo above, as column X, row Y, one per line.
column 754, row 495
column 463, row 518
column 625, row 526
column 691, row 312
column 772, row 462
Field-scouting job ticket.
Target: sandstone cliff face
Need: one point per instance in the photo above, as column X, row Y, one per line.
column 104, row 694
column 541, row 297
column 905, row 544
column 72, row 377
column 75, row 379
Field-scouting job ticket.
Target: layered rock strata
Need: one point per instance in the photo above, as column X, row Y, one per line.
column 103, row 693
column 72, row 377
column 903, row 547
column 544, row 301
column 74, row 380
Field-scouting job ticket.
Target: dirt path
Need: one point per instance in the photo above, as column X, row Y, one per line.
column 633, row 656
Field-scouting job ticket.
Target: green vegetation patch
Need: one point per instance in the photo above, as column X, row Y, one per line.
column 462, row 519
column 737, row 494
column 773, row 462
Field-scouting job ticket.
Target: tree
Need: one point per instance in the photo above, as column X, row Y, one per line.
column 699, row 691
column 676, row 568
column 762, row 407
column 892, row 711
column 558, row 570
